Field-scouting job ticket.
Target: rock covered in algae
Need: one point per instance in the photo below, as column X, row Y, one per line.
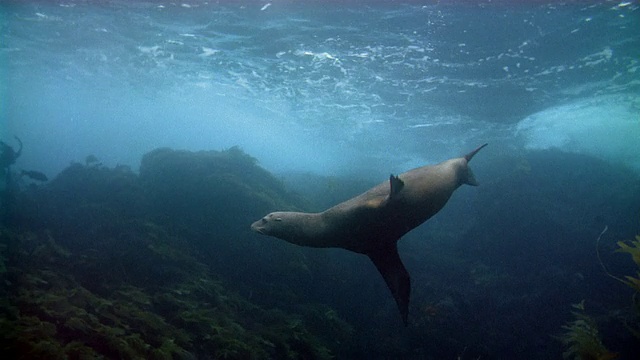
column 93, row 270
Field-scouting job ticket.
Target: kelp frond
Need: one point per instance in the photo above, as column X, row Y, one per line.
column 634, row 250
column 582, row 338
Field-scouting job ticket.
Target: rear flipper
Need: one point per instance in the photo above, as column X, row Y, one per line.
column 395, row 275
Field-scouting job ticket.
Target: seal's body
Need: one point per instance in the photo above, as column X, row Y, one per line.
column 373, row 222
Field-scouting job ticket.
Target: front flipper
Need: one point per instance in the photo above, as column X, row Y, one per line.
column 395, row 275
column 395, row 185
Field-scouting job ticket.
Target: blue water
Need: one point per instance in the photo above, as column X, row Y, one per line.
column 328, row 87
column 331, row 97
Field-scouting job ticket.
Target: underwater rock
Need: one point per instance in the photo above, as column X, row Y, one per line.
column 185, row 182
column 34, row 175
column 8, row 155
column 89, row 272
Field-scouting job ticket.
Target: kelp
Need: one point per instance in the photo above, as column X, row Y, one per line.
column 582, row 339
column 634, row 250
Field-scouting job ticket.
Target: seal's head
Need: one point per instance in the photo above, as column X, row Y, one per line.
column 295, row 227
column 271, row 224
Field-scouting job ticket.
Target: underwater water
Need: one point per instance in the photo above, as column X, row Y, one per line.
column 202, row 116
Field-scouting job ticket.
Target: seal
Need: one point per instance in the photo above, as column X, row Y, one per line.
column 373, row 222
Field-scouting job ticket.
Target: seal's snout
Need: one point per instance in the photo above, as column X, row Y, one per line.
column 257, row 226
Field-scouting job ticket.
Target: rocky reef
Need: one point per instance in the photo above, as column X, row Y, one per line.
column 104, row 263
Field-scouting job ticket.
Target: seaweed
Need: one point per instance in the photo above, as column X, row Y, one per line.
column 634, row 250
column 51, row 315
column 582, row 338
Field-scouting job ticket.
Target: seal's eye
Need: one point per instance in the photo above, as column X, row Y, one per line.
column 264, row 220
